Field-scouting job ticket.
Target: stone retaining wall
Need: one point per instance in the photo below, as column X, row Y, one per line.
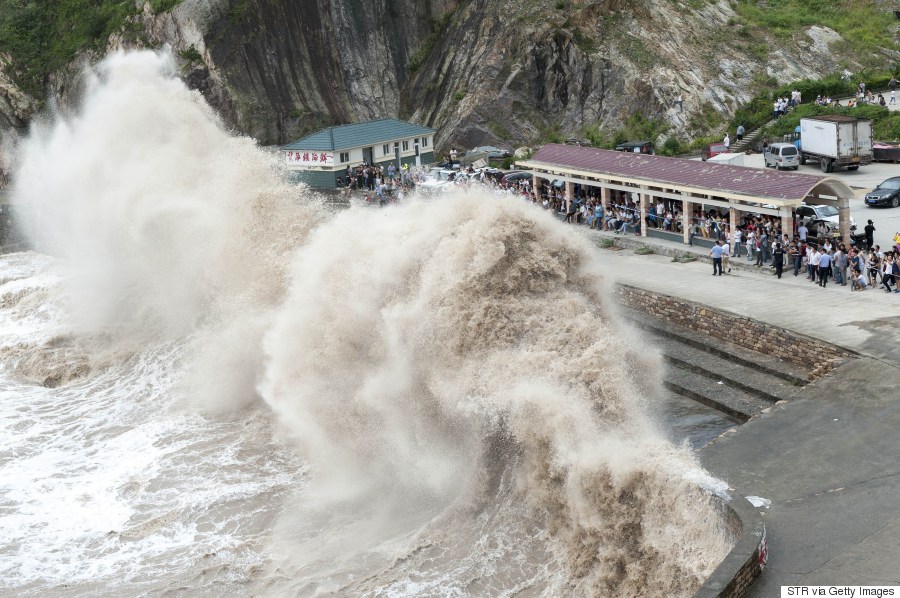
column 816, row 356
column 746, row 561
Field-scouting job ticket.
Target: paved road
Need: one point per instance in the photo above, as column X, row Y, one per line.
column 829, row 459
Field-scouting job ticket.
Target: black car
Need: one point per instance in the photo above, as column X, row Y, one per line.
column 517, row 175
column 636, row 147
column 885, row 194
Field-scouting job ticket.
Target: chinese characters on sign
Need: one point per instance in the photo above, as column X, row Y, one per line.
column 309, row 158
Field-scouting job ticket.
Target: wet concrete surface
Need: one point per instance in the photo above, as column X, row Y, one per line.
column 829, row 457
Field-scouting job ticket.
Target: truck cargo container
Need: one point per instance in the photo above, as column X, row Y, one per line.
column 834, row 140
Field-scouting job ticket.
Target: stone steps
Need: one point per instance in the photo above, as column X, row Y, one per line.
column 735, row 380
column 723, row 350
column 750, row 380
column 731, row 401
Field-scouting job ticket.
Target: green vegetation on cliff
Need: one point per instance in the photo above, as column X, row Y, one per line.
column 43, row 35
column 863, row 24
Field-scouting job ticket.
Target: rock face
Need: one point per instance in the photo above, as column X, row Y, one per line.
column 496, row 72
column 277, row 70
column 16, row 109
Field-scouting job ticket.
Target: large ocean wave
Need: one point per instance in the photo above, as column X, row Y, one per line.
column 218, row 386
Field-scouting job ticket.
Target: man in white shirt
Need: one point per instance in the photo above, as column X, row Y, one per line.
column 802, row 231
column 726, row 255
column 814, row 264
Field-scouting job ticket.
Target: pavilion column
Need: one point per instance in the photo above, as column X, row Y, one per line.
column 605, row 198
column 536, row 187
column 787, row 221
column 570, row 194
column 687, row 210
column 645, row 208
column 844, row 218
column 734, row 216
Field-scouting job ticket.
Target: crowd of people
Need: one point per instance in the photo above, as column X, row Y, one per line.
column 369, row 177
column 859, row 267
column 757, row 237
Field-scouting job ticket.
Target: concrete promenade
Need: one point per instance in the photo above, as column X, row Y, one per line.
column 828, row 459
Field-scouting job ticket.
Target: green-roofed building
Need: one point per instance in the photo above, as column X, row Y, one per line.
column 322, row 158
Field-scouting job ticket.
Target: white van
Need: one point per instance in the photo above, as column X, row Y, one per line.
column 782, row 155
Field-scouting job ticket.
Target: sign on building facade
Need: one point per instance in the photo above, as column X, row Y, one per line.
column 310, row 158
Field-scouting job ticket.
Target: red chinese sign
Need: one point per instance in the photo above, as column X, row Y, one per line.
column 309, row 158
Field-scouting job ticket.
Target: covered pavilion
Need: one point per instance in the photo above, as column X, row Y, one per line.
column 738, row 189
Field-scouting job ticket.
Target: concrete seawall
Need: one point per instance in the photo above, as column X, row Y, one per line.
column 746, row 561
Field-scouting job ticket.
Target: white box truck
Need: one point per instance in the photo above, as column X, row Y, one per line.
column 835, row 140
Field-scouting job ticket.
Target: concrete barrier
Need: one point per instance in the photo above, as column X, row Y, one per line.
column 815, row 356
column 746, row 561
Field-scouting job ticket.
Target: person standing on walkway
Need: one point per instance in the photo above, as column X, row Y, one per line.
column 727, row 142
column 796, row 258
column 740, row 133
column 813, row 264
column 778, row 260
column 839, row 264
column 824, row 268
column 726, row 254
column 887, row 271
column 870, row 235
column 736, row 238
column 761, row 248
column 716, row 254
column 873, row 264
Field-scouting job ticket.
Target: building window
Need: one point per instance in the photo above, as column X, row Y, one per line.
column 424, row 141
column 385, row 149
column 345, row 156
column 406, row 146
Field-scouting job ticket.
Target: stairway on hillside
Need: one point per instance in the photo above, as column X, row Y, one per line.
column 747, row 142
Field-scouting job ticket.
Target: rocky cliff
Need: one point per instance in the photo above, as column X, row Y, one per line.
column 499, row 72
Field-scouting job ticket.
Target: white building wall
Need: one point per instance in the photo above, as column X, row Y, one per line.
column 356, row 153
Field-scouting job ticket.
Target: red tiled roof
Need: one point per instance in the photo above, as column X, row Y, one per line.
column 661, row 170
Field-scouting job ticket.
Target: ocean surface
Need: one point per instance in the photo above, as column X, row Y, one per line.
column 218, row 386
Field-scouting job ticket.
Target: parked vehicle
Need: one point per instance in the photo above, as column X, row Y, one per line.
column 885, row 194
column 730, row 159
column 809, row 213
column 493, row 173
column 834, row 140
column 636, row 147
column 885, row 152
column 491, row 151
column 518, row 175
column 819, row 230
column 713, row 149
column 782, row 156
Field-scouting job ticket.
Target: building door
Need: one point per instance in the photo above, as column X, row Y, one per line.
column 368, row 156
